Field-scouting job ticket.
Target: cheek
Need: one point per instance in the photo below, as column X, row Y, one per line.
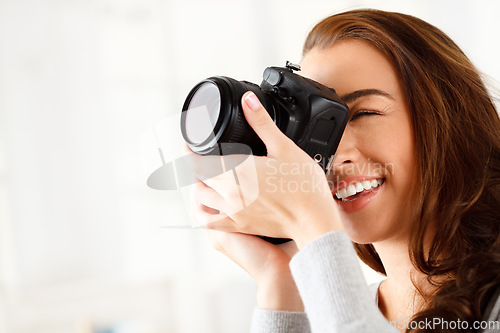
column 391, row 149
column 401, row 145
column 390, row 145
column 398, row 156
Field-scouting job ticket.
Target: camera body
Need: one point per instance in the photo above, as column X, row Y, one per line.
column 315, row 115
column 309, row 113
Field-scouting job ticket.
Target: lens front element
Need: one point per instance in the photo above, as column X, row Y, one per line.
column 202, row 113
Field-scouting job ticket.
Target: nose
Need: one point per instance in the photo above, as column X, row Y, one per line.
column 347, row 152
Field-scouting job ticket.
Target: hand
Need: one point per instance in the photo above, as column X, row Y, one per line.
column 267, row 264
column 284, row 194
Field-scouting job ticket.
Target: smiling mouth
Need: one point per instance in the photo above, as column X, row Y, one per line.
column 357, row 190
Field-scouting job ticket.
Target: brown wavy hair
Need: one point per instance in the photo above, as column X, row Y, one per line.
column 457, row 135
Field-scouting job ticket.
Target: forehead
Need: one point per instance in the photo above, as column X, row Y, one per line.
column 351, row 65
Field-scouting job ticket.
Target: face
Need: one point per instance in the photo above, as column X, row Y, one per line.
column 374, row 167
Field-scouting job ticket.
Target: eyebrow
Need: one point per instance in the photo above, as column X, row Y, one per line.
column 351, row 97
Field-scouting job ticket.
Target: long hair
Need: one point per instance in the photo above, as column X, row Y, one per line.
column 457, row 135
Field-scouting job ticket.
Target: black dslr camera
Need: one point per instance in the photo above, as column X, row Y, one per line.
column 310, row 114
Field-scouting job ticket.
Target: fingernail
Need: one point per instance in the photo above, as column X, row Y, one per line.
column 252, row 101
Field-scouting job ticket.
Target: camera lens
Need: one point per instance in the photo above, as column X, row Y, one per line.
column 202, row 113
column 212, row 115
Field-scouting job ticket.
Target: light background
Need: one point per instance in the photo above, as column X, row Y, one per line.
column 83, row 242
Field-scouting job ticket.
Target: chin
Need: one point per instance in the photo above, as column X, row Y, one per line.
column 362, row 234
column 361, row 239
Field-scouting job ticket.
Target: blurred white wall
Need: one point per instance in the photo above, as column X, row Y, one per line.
column 84, row 244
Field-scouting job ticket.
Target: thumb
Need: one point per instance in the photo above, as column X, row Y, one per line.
column 262, row 123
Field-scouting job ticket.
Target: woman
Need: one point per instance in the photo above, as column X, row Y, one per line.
column 415, row 185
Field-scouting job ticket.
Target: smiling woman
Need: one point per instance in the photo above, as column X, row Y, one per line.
column 455, row 223
column 416, row 180
column 379, row 134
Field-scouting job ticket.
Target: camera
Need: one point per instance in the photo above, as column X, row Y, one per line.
column 309, row 113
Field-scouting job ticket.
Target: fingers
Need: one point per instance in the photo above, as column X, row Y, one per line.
column 262, row 123
column 209, row 197
column 211, row 218
column 236, row 186
column 206, row 166
column 248, row 251
column 220, row 222
column 209, row 209
column 186, row 150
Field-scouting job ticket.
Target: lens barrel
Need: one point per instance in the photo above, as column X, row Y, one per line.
column 212, row 114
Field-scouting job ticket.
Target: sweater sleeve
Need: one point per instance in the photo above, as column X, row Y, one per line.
column 333, row 289
column 267, row 321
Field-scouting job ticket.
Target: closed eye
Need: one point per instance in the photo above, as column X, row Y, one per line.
column 363, row 113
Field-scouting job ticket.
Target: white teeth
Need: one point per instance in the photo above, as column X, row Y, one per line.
column 357, row 188
column 351, row 190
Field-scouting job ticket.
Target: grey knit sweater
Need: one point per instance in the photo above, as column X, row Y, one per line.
column 335, row 295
